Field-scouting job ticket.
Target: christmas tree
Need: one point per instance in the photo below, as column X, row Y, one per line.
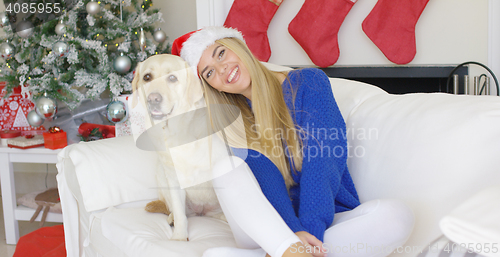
column 86, row 50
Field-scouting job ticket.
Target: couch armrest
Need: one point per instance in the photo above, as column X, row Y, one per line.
column 69, row 193
column 96, row 175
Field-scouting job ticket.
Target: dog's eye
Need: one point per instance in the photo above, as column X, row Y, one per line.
column 172, row 78
column 147, row 77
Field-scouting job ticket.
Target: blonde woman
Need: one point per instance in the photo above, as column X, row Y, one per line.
column 295, row 197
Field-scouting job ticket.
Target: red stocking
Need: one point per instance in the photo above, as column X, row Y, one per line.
column 391, row 27
column 252, row 18
column 316, row 26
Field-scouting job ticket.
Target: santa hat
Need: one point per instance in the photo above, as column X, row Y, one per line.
column 190, row 46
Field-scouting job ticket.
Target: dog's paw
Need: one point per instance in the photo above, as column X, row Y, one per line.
column 158, row 207
column 180, row 234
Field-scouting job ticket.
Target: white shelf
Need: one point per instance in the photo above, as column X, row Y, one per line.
column 25, row 213
column 12, row 212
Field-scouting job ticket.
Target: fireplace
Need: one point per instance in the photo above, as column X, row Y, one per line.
column 403, row 79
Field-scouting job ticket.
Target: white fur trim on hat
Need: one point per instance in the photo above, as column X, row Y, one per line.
column 200, row 40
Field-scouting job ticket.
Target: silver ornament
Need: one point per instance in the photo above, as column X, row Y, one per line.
column 60, row 48
column 34, row 119
column 122, row 64
column 142, row 40
column 7, row 50
column 116, row 112
column 159, row 36
column 93, row 8
column 60, row 28
column 4, row 19
column 46, row 107
column 24, row 29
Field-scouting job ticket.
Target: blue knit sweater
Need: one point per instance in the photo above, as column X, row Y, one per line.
column 324, row 185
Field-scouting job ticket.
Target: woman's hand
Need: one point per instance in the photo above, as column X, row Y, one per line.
column 312, row 244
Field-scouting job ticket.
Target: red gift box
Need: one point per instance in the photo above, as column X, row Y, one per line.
column 14, row 111
column 55, row 140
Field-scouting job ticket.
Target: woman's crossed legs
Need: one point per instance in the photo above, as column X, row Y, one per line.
column 373, row 229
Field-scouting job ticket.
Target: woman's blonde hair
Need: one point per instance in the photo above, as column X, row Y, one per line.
column 269, row 127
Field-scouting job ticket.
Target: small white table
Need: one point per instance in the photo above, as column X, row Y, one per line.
column 11, row 212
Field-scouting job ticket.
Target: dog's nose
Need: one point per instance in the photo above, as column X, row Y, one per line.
column 154, row 98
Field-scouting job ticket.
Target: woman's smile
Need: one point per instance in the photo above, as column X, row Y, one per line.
column 233, row 74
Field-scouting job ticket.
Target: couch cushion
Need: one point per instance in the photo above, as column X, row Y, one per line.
column 139, row 233
column 431, row 150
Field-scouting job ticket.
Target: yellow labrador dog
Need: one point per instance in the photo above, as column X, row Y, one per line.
column 173, row 95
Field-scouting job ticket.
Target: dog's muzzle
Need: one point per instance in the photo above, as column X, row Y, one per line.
column 154, row 104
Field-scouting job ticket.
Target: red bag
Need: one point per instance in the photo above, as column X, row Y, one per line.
column 43, row 242
column 85, row 130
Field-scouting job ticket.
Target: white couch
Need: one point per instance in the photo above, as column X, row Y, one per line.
column 433, row 151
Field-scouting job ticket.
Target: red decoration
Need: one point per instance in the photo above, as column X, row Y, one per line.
column 10, row 134
column 91, row 132
column 391, row 27
column 315, row 28
column 252, row 18
column 54, row 129
column 14, row 110
column 6, row 135
column 56, row 138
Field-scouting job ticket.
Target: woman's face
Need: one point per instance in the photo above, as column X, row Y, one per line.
column 224, row 71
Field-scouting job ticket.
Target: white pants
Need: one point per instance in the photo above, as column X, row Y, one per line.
column 373, row 229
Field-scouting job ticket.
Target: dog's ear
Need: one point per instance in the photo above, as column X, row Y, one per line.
column 135, row 84
column 195, row 90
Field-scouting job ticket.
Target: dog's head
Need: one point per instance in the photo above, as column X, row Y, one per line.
column 167, row 86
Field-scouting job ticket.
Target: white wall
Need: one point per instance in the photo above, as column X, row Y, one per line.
column 179, row 16
column 494, row 37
